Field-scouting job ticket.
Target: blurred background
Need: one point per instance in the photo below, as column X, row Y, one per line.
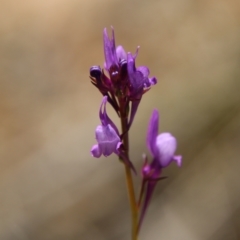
column 50, row 186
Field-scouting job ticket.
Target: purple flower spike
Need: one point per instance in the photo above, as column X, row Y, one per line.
column 107, row 135
column 162, row 148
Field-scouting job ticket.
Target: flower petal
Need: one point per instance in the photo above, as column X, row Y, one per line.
column 107, row 139
column 178, row 160
column 135, row 77
column 144, row 70
column 121, row 54
column 105, row 120
column 153, row 132
column 148, row 82
column 153, row 81
column 109, row 49
column 96, row 151
column 166, row 146
column 101, row 112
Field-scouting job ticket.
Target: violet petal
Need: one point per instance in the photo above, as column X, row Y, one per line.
column 96, row 151
column 109, row 49
column 107, row 139
column 166, row 146
column 121, row 54
column 178, row 160
column 153, row 81
column 144, row 70
column 136, row 78
column 153, row 132
column 105, row 120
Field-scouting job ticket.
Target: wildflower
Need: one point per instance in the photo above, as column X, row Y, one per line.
column 107, row 135
column 124, row 81
column 108, row 138
column 139, row 83
column 162, row 148
column 116, row 59
column 128, row 80
column 138, row 78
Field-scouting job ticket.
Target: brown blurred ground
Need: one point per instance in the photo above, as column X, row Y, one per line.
column 50, row 187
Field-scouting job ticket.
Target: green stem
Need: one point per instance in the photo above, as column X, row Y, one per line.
column 129, row 181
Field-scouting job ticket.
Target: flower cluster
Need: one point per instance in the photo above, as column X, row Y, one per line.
column 124, row 82
column 122, row 85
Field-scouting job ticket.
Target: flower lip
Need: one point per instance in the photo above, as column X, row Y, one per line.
column 166, row 146
column 107, row 139
column 95, row 151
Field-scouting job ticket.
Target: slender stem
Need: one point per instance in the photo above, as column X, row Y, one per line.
column 129, row 181
column 141, row 194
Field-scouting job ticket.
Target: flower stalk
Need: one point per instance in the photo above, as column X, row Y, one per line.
column 128, row 175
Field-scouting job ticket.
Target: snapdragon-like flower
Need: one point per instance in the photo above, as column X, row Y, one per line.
column 108, row 138
column 139, row 83
column 138, row 77
column 124, row 80
column 162, row 147
column 107, row 135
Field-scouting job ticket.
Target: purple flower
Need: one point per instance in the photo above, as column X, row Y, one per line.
column 116, row 57
column 139, row 83
column 138, row 77
column 125, row 81
column 107, row 135
column 108, row 138
column 162, row 148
